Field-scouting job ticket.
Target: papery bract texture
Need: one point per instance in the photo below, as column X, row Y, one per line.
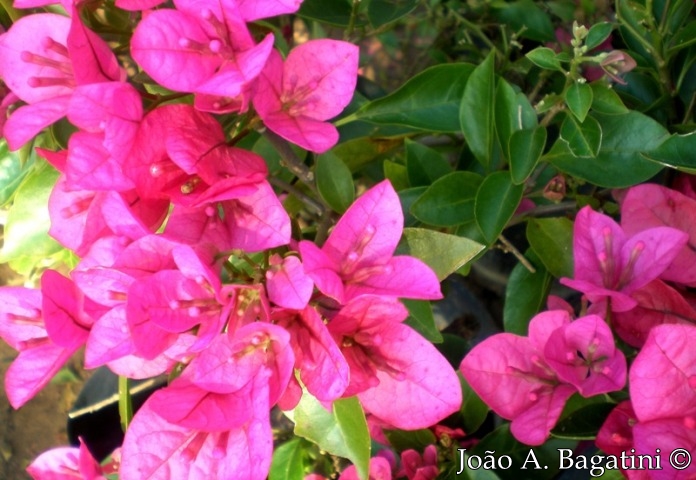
column 648, row 206
column 358, row 257
column 405, row 390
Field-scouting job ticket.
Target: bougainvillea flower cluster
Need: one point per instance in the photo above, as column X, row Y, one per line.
column 157, row 202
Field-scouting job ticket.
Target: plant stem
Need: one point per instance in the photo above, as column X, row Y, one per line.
column 510, row 248
column 125, row 404
column 292, row 161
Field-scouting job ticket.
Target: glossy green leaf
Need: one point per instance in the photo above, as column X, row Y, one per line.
column 496, row 201
column 428, row 101
column 578, row 97
column 677, row 151
column 421, row 319
column 335, row 12
column 476, row 113
column 584, row 423
column 597, row 34
column 527, row 18
column 605, row 100
column 524, row 151
column 525, row 294
column 444, row 253
column 474, row 410
column 620, row 161
column 26, row 231
column 424, row 164
column 582, row 139
column 449, row 200
column 288, row 461
column 410, row 440
column 512, row 112
column 552, row 242
column 381, row 12
column 334, row 182
column 544, row 57
column 342, row 432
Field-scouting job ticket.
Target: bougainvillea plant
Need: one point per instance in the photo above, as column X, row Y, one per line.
column 270, row 205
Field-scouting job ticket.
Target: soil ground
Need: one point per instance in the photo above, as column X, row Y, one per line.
column 38, row 426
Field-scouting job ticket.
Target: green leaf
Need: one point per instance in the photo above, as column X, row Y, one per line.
column 424, row 164
column 360, row 152
column 396, row 174
column 12, row 172
column 288, row 461
column 342, row 432
column 444, row 253
column 527, row 18
column 578, row 97
column 381, row 12
column 605, row 100
column 334, row 182
column 512, row 112
column 524, row 151
column 584, row 423
column 335, row 12
column 428, row 101
column 476, row 112
column 414, row 439
column 597, row 34
column 583, row 140
column 684, row 38
column 525, row 294
column 501, row 440
column 544, row 57
column 620, row 162
column 408, row 197
column 474, row 410
column 552, row 241
column 421, row 319
column 677, row 151
column 26, row 231
column 496, row 201
column 449, row 200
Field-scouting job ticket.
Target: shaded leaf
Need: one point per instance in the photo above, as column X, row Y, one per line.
column 421, row 319
column 476, row 113
column 336, row 12
column 449, row 200
column 474, row 410
column 583, row 139
column 584, row 423
column 551, row 240
column 496, row 201
column 335, row 182
column 424, row 164
column 677, row 151
column 605, row 100
column 414, row 439
column 525, row 294
column 524, row 151
column 381, row 12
